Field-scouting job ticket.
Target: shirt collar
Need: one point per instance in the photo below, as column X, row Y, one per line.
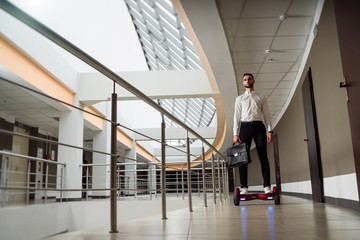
column 246, row 92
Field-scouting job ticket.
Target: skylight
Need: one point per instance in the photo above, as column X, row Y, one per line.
column 167, row 46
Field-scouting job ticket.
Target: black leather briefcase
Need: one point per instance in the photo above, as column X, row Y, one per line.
column 237, row 155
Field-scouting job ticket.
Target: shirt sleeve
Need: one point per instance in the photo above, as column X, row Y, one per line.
column 237, row 116
column 266, row 114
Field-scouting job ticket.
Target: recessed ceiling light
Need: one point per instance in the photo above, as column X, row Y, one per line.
column 282, row 17
column 268, row 51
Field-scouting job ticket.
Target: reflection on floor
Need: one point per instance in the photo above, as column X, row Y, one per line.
column 295, row 218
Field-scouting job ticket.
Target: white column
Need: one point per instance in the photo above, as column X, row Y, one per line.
column 152, row 176
column 71, row 131
column 101, row 174
column 131, row 175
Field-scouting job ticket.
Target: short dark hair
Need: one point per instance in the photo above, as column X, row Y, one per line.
column 249, row 75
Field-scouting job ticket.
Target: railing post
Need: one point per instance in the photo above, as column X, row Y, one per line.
column 61, row 182
column 113, row 207
column 135, row 183
column 213, row 176
column 118, row 182
column 198, row 185
column 177, row 185
column 28, row 182
column 163, row 169
column 4, row 182
column 227, row 181
column 156, row 185
column 46, row 181
column 223, row 179
column 87, row 183
column 150, row 182
column 182, row 181
column 219, row 177
column 204, row 175
column 189, row 172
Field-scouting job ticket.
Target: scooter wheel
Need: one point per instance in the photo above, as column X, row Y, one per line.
column 277, row 198
column 236, row 198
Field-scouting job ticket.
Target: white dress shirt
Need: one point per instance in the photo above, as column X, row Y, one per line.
column 251, row 107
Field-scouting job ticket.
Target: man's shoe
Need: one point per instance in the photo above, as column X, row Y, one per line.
column 267, row 190
column 244, row 191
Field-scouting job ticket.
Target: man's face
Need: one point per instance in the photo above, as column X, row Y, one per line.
column 248, row 81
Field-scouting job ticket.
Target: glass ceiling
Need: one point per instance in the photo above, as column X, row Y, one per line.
column 167, row 46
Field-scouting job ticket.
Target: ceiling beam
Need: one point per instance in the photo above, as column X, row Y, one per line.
column 173, row 133
column 95, row 87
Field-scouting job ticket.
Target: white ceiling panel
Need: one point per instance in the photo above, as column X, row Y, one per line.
column 251, row 44
column 249, row 57
column 295, row 26
column 29, row 111
column 302, row 8
column 281, row 92
column 231, row 8
column 265, row 92
column 246, row 68
column 275, row 67
column 275, row 103
column 275, row 109
column 12, row 93
column 285, row 56
column 13, row 106
column 266, row 85
column 277, row 98
column 28, row 99
column 7, row 100
column 254, row 27
column 290, row 76
column 285, row 84
column 52, row 115
column 289, row 42
column 295, row 67
column 265, row 8
column 269, row 76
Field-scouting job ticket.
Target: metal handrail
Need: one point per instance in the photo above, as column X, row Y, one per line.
column 71, row 48
column 51, row 141
column 81, row 148
column 85, row 111
column 29, row 157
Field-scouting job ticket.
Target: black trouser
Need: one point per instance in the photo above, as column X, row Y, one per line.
column 255, row 130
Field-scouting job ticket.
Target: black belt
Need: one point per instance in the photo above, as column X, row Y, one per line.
column 251, row 122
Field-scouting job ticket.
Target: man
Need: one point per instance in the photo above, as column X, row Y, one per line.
column 250, row 107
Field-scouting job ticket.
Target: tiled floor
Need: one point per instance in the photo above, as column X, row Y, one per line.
column 295, row 218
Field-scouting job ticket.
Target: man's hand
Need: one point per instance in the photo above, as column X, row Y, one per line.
column 270, row 137
column 237, row 139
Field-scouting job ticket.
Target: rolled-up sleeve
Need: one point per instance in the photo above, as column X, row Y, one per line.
column 237, row 116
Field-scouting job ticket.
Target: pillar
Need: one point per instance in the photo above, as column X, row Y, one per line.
column 130, row 173
column 71, row 131
column 101, row 174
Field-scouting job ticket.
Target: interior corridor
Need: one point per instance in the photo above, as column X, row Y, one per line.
column 294, row 218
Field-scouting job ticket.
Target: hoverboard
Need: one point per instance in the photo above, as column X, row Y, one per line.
column 252, row 196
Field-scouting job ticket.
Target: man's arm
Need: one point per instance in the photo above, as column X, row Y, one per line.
column 237, row 139
column 237, row 120
column 266, row 114
column 270, row 137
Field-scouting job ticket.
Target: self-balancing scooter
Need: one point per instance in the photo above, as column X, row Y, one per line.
column 252, row 196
